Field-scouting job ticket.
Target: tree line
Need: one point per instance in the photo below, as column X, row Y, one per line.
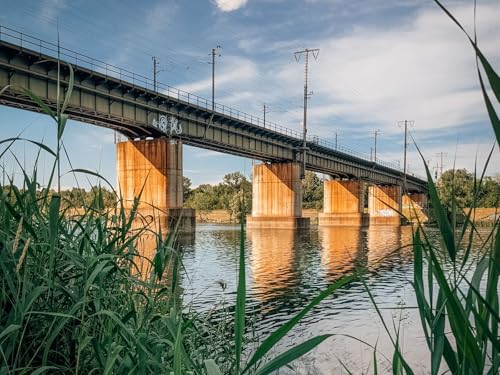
column 234, row 193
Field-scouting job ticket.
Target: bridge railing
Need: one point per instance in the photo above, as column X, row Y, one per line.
column 52, row 49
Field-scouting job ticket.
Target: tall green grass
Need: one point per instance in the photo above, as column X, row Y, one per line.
column 75, row 296
column 458, row 302
column 72, row 300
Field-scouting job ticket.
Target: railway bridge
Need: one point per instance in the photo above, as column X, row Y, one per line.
column 158, row 119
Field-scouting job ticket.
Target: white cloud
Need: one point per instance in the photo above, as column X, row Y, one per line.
column 462, row 154
column 230, row 71
column 230, row 5
column 423, row 70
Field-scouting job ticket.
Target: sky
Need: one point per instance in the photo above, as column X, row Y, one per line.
column 380, row 62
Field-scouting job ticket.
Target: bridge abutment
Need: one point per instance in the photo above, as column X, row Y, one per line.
column 277, row 197
column 343, row 203
column 384, row 204
column 151, row 170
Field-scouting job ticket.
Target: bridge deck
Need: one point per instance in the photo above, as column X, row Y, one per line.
column 136, row 111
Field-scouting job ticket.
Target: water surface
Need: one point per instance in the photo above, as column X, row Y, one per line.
column 286, row 269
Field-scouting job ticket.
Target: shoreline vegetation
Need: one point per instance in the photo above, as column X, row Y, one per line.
column 72, row 301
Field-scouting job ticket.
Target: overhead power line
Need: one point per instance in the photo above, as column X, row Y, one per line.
column 307, row 94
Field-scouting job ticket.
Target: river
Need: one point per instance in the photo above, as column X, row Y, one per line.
column 286, row 269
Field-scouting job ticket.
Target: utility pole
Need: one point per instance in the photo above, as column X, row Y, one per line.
column 264, row 112
column 441, row 155
column 297, row 55
column 406, row 123
column 404, row 158
column 155, row 71
column 214, row 53
column 377, row 132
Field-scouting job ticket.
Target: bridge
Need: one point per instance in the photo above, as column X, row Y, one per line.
column 158, row 119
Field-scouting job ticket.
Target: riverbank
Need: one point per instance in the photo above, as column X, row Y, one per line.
column 483, row 216
column 223, row 217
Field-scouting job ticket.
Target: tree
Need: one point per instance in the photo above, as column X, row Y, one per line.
column 312, row 186
column 459, row 185
column 455, row 184
column 233, row 194
column 489, row 194
column 236, row 195
column 203, row 199
column 186, row 188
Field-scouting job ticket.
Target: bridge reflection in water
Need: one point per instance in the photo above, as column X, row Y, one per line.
column 280, row 260
column 341, row 250
column 151, row 228
column 272, row 261
column 287, row 269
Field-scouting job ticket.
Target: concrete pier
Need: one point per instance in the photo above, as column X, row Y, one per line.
column 384, row 204
column 152, row 171
column 415, row 207
column 343, row 204
column 277, row 197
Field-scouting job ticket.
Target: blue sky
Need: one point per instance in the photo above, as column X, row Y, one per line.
column 380, row 62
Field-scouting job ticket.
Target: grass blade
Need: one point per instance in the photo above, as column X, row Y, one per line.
column 239, row 324
column 212, row 368
column 291, row 354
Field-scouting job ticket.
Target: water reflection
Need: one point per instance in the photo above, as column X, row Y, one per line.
column 287, row 269
column 382, row 243
column 271, row 261
column 341, row 250
column 147, row 243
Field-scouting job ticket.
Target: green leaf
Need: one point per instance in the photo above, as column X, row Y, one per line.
column 441, row 218
column 212, row 368
column 44, row 369
column 61, row 124
column 291, row 354
column 11, row 328
column 397, row 366
column 55, row 204
column 178, row 351
column 112, row 358
column 4, row 89
column 44, row 107
column 41, row 145
column 239, row 324
column 438, row 333
column 69, row 91
column 457, row 318
column 495, row 122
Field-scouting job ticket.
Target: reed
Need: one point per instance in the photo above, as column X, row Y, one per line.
column 458, row 299
column 75, row 296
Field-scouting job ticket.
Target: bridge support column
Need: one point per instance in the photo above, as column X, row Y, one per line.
column 343, row 203
column 384, row 203
column 154, row 167
column 277, row 197
column 415, row 207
